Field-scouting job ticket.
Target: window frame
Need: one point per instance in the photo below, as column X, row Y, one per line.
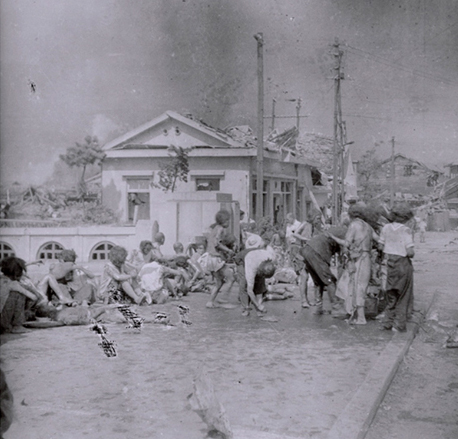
column 96, row 251
column 56, row 248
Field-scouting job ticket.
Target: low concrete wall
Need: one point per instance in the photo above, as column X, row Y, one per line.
column 27, row 242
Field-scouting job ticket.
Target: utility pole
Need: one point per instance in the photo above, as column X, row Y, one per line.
column 260, row 151
column 298, row 112
column 272, row 127
column 337, row 132
column 342, row 160
column 392, row 176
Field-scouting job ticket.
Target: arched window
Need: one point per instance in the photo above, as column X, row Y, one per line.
column 6, row 250
column 100, row 251
column 50, row 250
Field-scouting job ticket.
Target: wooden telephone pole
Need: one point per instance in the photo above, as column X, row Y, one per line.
column 260, row 146
column 392, row 176
column 338, row 144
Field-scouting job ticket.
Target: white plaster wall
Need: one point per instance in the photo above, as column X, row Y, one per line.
column 26, row 242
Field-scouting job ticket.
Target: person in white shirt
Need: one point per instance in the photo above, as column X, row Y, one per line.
column 398, row 247
column 254, row 266
column 292, row 227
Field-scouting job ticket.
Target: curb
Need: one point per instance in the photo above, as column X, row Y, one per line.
column 356, row 419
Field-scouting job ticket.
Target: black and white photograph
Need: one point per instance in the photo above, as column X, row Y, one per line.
column 229, row 219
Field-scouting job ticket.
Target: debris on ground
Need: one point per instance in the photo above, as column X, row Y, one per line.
column 205, row 403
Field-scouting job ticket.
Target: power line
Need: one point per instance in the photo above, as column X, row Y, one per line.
column 415, row 72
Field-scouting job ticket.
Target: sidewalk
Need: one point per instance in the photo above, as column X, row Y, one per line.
column 304, row 376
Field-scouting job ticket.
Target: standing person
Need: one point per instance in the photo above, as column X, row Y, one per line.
column 292, row 226
column 303, row 234
column 213, row 261
column 316, row 255
column 422, row 228
column 358, row 244
column 397, row 245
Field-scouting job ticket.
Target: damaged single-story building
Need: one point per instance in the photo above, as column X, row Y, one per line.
column 219, row 163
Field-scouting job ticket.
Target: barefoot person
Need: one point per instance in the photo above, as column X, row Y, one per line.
column 213, row 260
column 254, row 266
column 358, row 243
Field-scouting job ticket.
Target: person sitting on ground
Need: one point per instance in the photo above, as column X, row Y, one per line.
column 159, row 281
column 158, row 242
column 213, row 261
column 118, row 280
column 397, row 244
column 137, row 259
column 65, row 284
column 13, row 295
column 198, row 282
column 178, row 248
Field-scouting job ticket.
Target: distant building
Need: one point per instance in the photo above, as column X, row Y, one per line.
column 412, row 179
column 453, row 169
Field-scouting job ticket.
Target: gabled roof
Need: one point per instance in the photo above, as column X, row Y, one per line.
column 399, row 155
column 163, row 131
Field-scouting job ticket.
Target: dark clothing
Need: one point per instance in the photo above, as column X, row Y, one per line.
column 326, row 246
column 13, row 312
column 239, row 258
column 6, row 405
column 317, row 267
column 399, row 291
column 317, row 255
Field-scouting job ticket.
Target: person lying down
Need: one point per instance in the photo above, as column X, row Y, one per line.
column 76, row 315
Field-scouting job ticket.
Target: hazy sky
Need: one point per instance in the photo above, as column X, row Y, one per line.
column 72, row 68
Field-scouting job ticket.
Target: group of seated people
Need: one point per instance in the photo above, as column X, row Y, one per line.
column 146, row 276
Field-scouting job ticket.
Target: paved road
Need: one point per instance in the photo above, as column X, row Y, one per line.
column 303, row 376
column 422, row 402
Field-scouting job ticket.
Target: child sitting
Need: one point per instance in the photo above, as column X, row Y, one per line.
column 118, row 280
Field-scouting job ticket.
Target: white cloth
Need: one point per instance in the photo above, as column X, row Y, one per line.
column 253, row 241
column 151, row 277
column 396, row 238
column 290, row 229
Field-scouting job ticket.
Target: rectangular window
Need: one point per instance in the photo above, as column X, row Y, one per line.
column 138, row 198
column 408, row 170
column 207, row 184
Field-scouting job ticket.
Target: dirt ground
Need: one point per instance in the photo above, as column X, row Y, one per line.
column 422, row 402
